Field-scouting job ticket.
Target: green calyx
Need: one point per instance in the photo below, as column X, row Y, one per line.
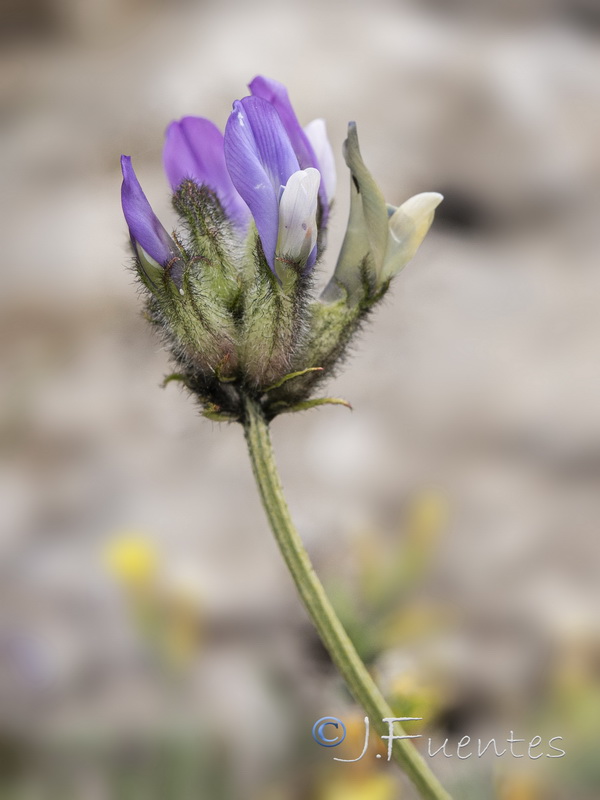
column 232, row 325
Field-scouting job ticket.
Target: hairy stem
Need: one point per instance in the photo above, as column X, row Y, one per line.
column 316, row 602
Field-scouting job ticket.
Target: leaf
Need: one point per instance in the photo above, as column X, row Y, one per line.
column 319, row 401
column 215, row 416
column 290, row 376
column 174, row 376
column 214, row 413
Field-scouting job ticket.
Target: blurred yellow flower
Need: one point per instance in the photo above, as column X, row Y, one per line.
column 373, row 786
column 410, row 697
column 519, row 787
column 132, row 558
column 164, row 595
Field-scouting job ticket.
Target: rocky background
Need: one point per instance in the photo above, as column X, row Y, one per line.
column 472, row 454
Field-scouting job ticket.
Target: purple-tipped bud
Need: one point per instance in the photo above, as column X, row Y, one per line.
column 194, row 149
column 145, row 229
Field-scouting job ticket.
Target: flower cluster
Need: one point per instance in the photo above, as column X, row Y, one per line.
column 232, row 291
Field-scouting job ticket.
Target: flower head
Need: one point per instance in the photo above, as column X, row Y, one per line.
column 231, row 291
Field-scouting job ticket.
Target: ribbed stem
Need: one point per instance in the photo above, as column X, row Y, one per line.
column 316, row 602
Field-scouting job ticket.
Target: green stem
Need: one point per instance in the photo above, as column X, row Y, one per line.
column 316, row 602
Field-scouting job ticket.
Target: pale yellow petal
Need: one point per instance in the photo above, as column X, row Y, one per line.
column 408, row 226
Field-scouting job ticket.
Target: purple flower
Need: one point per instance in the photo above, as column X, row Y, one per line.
column 266, row 168
column 232, row 291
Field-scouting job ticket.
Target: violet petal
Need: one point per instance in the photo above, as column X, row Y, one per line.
column 144, row 226
column 276, row 94
column 194, row 149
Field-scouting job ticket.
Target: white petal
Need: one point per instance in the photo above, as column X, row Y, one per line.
column 151, row 268
column 317, row 136
column 298, row 215
column 408, row 226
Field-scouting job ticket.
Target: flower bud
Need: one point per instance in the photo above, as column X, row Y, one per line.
column 365, row 242
column 297, row 238
column 379, row 239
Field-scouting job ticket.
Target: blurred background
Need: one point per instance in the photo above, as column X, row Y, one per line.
column 151, row 642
